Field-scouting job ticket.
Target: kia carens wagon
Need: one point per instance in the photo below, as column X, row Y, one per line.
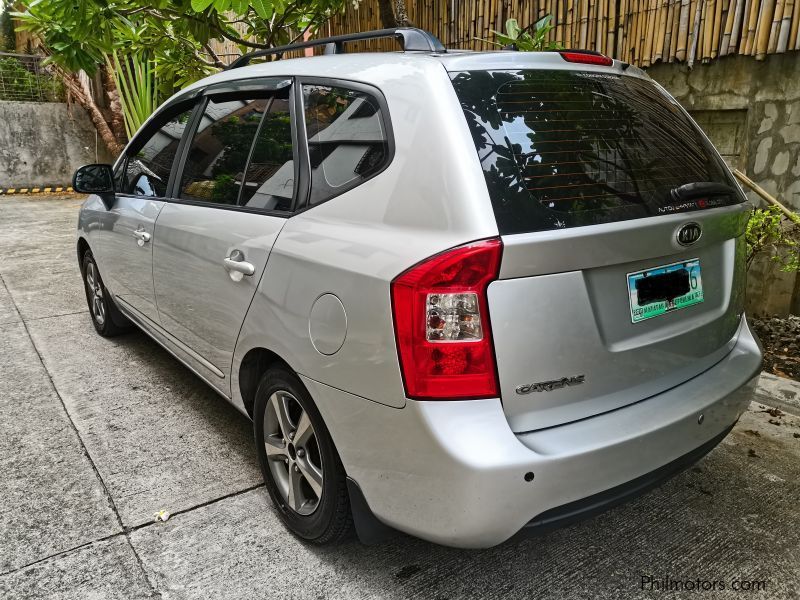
column 463, row 295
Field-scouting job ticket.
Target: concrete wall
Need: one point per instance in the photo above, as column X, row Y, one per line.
column 751, row 111
column 44, row 142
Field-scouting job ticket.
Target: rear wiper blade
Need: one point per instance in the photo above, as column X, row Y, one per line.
column 703, row 189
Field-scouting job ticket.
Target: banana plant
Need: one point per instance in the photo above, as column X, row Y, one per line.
column 134, row 76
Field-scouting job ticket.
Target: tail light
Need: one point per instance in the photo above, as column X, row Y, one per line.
column 587, row 58
column 441, row 321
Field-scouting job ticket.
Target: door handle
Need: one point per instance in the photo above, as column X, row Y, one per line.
column 235, row 262
column 240, row 266
column 141, row 235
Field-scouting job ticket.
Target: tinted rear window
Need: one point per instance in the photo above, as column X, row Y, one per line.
column 567, row 148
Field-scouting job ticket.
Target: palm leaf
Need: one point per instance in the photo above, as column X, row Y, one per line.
column 134, row 78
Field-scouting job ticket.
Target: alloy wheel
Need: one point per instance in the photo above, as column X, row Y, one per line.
column 293, row 453
column 94, row 290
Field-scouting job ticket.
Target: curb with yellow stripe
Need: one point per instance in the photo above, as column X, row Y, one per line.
column 48, row 189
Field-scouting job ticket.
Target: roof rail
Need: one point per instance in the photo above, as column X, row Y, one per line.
column 413, row 40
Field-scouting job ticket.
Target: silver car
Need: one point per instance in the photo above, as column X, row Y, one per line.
column 463, row 295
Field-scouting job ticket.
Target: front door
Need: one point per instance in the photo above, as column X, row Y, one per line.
column 212, row 241
column 126, row 241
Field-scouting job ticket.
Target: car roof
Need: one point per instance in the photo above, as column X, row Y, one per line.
column 361, row 66
column 390, row 71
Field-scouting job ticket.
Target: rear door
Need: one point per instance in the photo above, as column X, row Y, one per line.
column 232, row 197
column 126, row 231
column 623, row 264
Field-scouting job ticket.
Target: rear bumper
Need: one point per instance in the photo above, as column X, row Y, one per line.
column 590, row 506
column 454, row 473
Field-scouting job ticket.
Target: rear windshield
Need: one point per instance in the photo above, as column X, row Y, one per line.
column 568, row 148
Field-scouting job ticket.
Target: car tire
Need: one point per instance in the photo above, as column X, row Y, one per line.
column 301, row 467
column 106, row 318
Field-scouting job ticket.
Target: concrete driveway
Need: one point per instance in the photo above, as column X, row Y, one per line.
column 98, row 435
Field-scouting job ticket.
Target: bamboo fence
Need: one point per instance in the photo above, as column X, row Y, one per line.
column 641, row 32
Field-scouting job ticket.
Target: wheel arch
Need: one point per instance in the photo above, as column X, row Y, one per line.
column 254, row 364
column 82, row 248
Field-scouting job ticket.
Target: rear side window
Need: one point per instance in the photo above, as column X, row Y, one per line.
column 347, row 142
column 269, row 180
column 217, row 157
column 568, row 148
column 148, row 167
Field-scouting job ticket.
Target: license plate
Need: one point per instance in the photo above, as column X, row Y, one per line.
column 657, row 291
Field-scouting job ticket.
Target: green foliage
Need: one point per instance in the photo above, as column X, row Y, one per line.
column 137, row 91
column 224, row 190
column 531, row 39
column 18, row 83
column 174, row 33
column 236, row 134
column 273, row 143
column 771, row 232
column 8, row 40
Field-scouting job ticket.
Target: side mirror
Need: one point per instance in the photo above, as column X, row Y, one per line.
column 94, row 179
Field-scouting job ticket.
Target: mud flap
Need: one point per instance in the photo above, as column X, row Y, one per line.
column 368, row 528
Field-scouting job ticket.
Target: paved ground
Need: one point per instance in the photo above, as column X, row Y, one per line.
column 98, row 435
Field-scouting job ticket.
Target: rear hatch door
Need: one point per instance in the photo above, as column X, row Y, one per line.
column 623, row 264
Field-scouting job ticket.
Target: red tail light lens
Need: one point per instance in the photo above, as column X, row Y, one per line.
column 587, row 58
column 441, row 321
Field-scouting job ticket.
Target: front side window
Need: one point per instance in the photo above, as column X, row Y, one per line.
column 217, row 156
column 347, row 142
column 149, row 164
column 569, row 148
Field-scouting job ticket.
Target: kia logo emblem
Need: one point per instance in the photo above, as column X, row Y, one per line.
column 689, row 234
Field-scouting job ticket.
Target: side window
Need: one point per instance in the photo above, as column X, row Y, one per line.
column 147, row 169
column 217, row 156
column 346, row 139
column 269, row 181
column 119, row 174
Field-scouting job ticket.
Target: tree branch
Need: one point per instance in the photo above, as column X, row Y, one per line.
column 169, row 13
column 84, row 98
column 311, row 24
column 217, row 62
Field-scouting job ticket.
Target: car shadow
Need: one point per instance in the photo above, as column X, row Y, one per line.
column 713, row 522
